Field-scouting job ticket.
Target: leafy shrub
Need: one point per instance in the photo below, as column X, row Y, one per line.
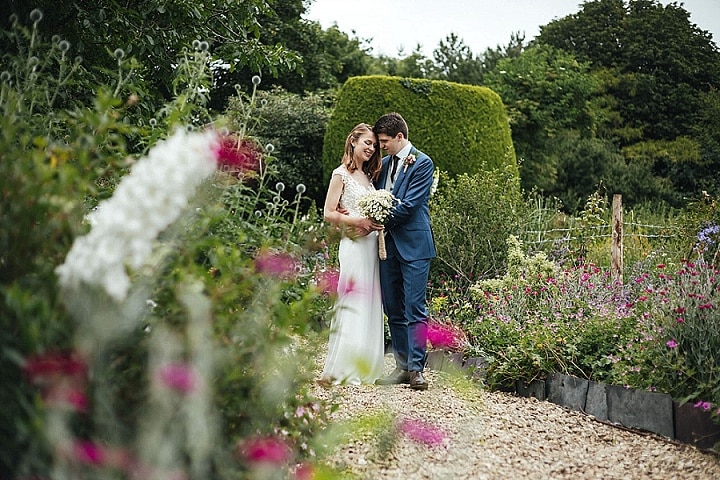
column 463, row 128
column 472, row 215
column 295, row 125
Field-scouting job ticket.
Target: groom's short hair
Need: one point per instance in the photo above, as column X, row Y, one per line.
column 391, row 124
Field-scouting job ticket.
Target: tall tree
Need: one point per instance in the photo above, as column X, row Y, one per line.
column 663, row 61
column 545, row 91
column 155, row 31
column 657, row 69
column 455, row 62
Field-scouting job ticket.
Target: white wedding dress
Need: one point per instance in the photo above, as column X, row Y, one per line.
column 357, row 336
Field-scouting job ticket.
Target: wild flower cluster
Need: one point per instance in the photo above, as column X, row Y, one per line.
column 156, row 333
column 377, row 205
column 674, row 348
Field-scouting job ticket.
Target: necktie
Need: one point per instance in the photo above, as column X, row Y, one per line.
column 395, row 161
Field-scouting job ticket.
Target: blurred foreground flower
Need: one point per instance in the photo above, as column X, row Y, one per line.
column 442, row 336
column 266, row 450
column 62, row 378
column 241, row 157
column 327, row 281
column 178, row 377
column 421, row 432
column 279, row 265
column 147, row 201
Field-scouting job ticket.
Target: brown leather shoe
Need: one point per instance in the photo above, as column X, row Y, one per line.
column 417, row 381
column 397, row 376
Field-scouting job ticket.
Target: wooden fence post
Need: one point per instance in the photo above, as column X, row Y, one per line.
column 616, row 249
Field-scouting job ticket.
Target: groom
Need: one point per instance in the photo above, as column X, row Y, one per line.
column 408, row 174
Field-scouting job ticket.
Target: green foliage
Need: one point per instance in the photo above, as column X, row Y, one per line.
column 700, row 226
column 155, row 32
column 657, row 71
column 455, row 62
column 546, row 91
column 588, row 165
column 471, row 218
column 205, row 300
column 463, row 128
column 295, row 125
column 49, row 158
column 325, row 59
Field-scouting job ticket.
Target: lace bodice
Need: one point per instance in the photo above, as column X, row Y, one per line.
column 352, row 191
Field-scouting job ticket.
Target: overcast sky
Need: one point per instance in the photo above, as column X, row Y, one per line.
column 481, row 24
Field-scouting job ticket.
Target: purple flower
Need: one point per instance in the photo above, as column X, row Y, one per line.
column 706, row 406
column 672, row 343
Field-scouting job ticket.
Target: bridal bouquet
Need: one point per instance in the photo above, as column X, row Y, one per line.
column 377, row 205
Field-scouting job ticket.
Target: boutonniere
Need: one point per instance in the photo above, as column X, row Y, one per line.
column 409, row 160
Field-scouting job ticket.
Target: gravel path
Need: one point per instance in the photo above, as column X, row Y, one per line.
column 475, row 434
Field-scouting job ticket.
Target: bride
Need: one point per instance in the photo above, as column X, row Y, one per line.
column 357, row 338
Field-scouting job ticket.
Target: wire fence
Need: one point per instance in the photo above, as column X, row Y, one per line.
column 596, row 232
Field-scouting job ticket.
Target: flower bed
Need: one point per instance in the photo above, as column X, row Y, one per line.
column 656, row 333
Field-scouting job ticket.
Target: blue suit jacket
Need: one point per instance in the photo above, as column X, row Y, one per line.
column 409, row 224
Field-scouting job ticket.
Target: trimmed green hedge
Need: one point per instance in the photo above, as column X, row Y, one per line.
column 464, row 128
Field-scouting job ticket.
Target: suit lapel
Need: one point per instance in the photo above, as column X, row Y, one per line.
column 401, row 171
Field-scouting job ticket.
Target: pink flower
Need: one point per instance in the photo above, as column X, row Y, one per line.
column 60, row 396
column 62, row 378
column 441, row 336
column 672, row 343
column 706, row 406
column 279, row 265
column 421, row 432
column 44, row 367
column 177, row 376
column 409, row 160
column 240, row 156
column 264, row 450
column 89, row 453
column 304, row 471
column 327, row 281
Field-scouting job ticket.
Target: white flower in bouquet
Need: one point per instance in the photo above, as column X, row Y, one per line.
column 377, row 205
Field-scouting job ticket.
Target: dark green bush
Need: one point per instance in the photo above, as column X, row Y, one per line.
column 463, row 128
column 295, row 125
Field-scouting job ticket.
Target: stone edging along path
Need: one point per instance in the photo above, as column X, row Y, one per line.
column 478, row 434
column 634, row 409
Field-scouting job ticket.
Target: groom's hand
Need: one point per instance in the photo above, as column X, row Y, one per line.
column 365, row 226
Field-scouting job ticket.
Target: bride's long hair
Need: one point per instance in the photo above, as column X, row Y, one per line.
column 373, row 166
